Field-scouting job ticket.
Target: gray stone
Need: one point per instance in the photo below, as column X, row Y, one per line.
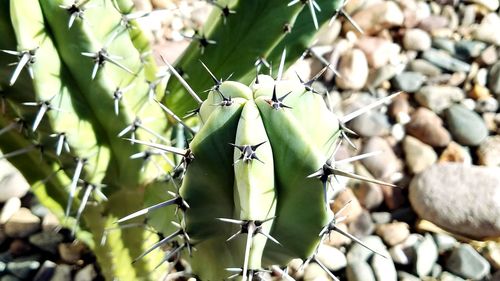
column 372, row 123
column 437, row 269
column 466, row 127
column 494, row 79
column 362, row 226
column 62, row 273
column 438, row 98
column 444, row 242
column 46, row 241
column 409, row 81
column 22, row 224
column 23, row 269
column 445, row 61
column 496, row 276
column 359, row 253
column 424, row 67
column 360, row 271
column 426, row 256
column 467, row 263
column 448, row 194
column 12, row 183
column 9, row 278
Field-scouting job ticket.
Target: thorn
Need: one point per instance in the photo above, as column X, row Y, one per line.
column 158, row 244
column 202, row 41
column 44, row 107
column 85, row 198
column 313, row 6
column 308, row 85
column 187, row 154
column 226, row 12
column 75, row 11
column 277, row 103
column 214, row 79
column 74, row 181
column 101, row 57
column 282, row 65
column 367, row 108
column 182, row 81
column 62, row 142
column 351, row 21
column 18, row 152
column 176, row 118
column 248, row 152
column 25, row 58
column 175, row 201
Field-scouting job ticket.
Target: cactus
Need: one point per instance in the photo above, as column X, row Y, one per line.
column 87, row 105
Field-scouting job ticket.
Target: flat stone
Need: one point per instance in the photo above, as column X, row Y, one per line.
column 444, row 44
column 384, row 165
column 22, row 224
column 438, row 98
column 487, row 31
column 409, row 81
column 383, row 267
column 468, row 49
column 426, row 256
column 12, row 183
column 426, row 126
column 360, row 271
column 467, row 263
column 466, row 126
column 447, row 195
column 445, row 61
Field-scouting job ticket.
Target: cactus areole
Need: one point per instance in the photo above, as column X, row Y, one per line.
column 252, row 202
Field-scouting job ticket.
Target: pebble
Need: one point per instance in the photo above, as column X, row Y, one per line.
column 71, row 252
column 62, row 273
column 466, row 262
column 337, row 239
column 363, row 226
column 360, row 271
column 381, row 217
column 486, row 31
column 12, row 183
column 383, row 267
column 466, row 126
column 438, row 98
column 444, row 44
column 370, row 195
column 424, row 67
column 19, row 247
column 491, row 5
column 9, row 278
column 393, row 233
column 494, row 79
column 331, row 257
column 401, row 255
column 447, row 195
column 22, row 224
column 380, row 75
column 353, row 70
column 445, row 61
column 480, row 92
column 314, row 272
column 426, row 255
column 444, row 242
column 87, row 273
column 384, row 165
column 454, row 152
column 23, row 269
column 427, row 126
column 492, row 254
column 354, row 209
column 46, row 241
column 379, row 16
column 9, row 209
column 489, row 56
column 468, row 49
column 419, row 156
column 446, row 276
column 399, row 109
column 405, row 276
column 50, row 222
column 416, row 39
column 359, row 253
column 378, row 51
column 433, row 23
column 489, row 104
column 409, row 81
column 489, row 151
column 46, row 271
column 370, row 124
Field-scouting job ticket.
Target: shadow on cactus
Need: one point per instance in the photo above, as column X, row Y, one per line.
column 86, row 105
